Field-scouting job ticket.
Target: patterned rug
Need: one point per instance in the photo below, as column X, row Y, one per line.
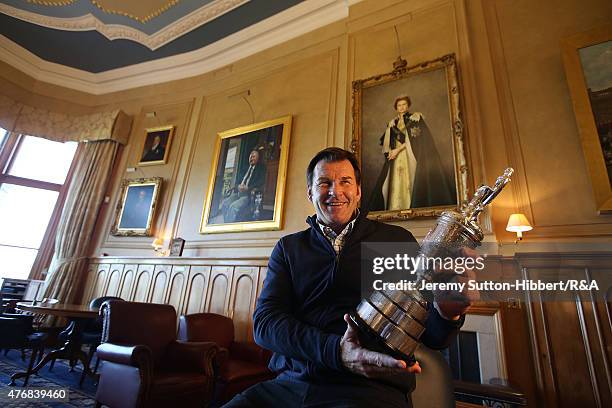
column 60, row 377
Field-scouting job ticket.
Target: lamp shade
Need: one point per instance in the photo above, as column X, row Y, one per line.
column 518, row 223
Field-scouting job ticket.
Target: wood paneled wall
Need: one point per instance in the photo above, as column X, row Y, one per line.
column 571, row 335
column 191, row 285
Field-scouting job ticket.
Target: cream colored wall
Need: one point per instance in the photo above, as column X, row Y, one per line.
column 516, row 105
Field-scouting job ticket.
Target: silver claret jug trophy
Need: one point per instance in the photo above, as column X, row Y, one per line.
column 394, row 320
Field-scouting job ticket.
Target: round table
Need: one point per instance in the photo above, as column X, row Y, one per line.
column 79, row 315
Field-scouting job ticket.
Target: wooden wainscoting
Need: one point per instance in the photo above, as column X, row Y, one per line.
column 191, row 285
column 571, row 337
column 556, row 353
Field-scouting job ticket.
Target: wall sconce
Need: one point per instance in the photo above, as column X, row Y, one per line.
column 158, row 244
column 518, row 223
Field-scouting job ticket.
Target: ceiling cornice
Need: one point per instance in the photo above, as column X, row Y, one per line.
column 153, row 41
column 286, row 25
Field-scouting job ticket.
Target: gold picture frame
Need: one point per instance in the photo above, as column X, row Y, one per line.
column 136, row 207
column 590, row 84
column 247, row 178
column 156, row 145
column 436, row 122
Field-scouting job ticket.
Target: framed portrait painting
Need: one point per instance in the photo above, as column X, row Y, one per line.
column 247, row 178
column 136, row 208
column 176, row 246
column 588, row 67
column 156, row 145
column 408, row 136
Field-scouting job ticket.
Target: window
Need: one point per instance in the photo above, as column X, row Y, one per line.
column 33, row 176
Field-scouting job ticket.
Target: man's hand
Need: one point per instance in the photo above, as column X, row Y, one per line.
column 366, row 362
column 452, row 304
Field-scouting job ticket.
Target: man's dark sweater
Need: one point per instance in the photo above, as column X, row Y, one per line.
column 307, row 291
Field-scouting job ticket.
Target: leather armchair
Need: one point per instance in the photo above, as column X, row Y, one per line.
column 143, row 363
column 238, row 365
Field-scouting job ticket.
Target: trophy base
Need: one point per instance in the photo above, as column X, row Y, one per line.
column 370, row 340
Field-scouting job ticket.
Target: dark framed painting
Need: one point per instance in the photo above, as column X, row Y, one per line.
column 176, row 247
column 409, row 138
column 136, row 207
column 156, row 145
column 588, row 67
column 247, row 179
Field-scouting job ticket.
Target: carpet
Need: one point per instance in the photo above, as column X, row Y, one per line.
column 60, row 377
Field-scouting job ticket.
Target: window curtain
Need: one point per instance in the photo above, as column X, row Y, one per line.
column 76, row 226
column 62, row 127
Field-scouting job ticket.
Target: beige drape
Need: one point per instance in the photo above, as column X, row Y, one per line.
column 76, row 225
column 61, row 127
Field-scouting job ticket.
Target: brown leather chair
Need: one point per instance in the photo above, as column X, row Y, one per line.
column 238, row 365
column 143, row 363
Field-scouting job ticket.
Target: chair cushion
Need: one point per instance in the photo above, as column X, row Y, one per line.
column 240, row 370
column 37, row 338
column 172, row 382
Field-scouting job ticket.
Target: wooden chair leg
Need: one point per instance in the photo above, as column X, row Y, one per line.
column 95, row 370
column 30, row 365
column 23, row 355
column 52, row 365
column 90, row 354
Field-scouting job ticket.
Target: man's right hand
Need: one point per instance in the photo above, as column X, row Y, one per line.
column 368, row 363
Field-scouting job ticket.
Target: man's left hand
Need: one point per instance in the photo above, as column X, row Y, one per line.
column 452, row 304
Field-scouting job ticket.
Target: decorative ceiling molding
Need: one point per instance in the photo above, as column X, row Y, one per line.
column 52, row 3
column 284, row 26
column 153, row 41
column 142, row 19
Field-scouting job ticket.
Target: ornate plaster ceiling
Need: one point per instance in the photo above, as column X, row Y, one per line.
column 101, row 46
column 153, row 23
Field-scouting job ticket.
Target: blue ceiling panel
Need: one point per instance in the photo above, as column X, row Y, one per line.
column 91, row 51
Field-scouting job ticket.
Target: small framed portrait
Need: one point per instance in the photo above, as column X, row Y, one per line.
column 156, row 145
column 136, row 208
column 247, row 181
column 588, row 67
column 408, row 136
column 176, row 247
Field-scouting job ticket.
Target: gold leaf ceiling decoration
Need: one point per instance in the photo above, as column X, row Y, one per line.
column 136, row 10
column 52, row 3
column 141, row 11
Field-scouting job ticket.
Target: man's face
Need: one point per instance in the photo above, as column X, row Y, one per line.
column 335, row 193
column 253, row 158
column 156, row 140
column 402, row 106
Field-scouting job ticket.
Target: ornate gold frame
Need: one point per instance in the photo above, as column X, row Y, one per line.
column 125, row 186
column 276, row 222
column 171, row 129
column 585, row 119
column 449, row 64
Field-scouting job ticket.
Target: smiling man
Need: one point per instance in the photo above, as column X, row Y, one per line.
column 313, row 282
